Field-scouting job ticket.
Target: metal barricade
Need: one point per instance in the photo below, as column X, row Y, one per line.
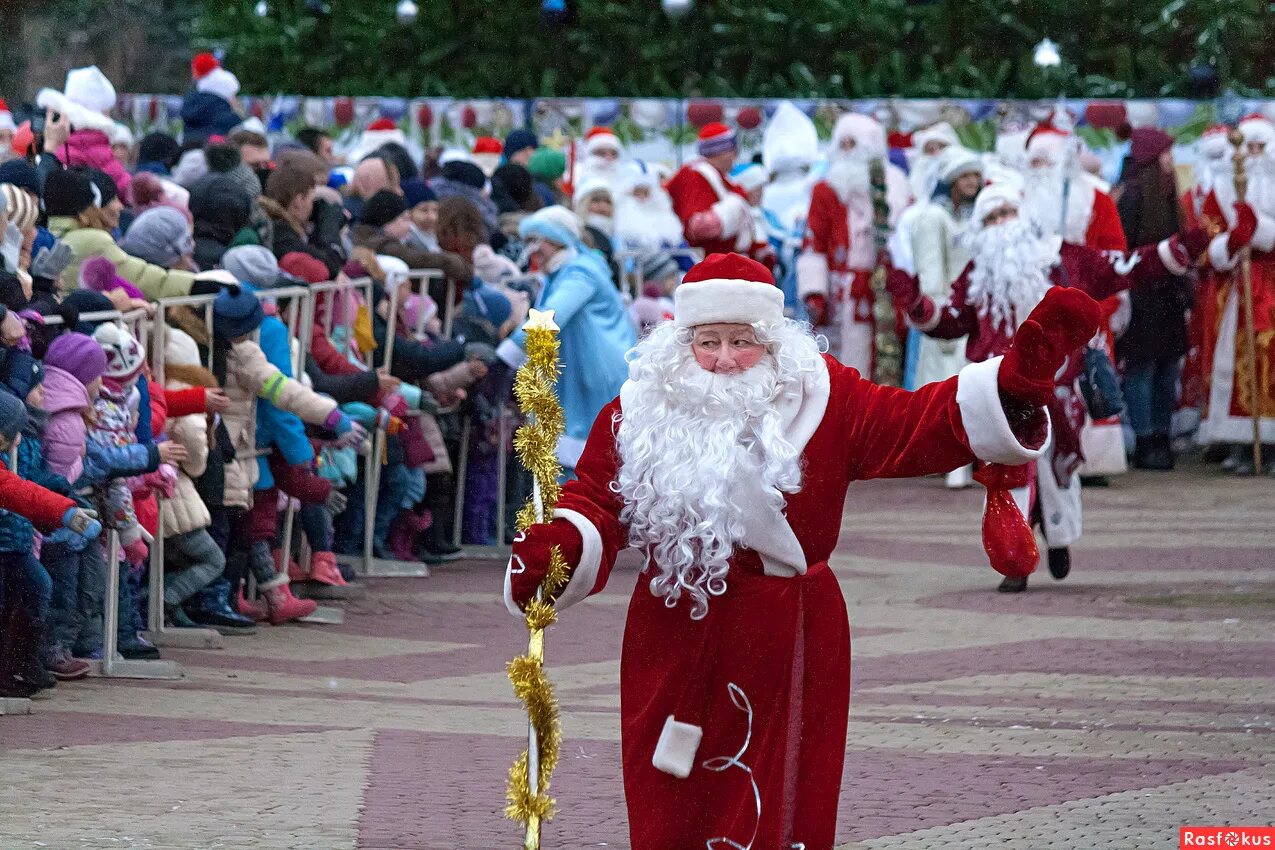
column 632, row 278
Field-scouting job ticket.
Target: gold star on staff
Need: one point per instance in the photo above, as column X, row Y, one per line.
column 540, row 320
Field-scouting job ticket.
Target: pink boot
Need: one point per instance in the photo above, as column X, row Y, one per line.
column 294, row 569
column 255, row 610
column 283, row 605
column 401, row 536
column 323, row 569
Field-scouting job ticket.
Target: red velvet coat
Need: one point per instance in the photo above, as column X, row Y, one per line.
column 766, row 674
column 692, row 195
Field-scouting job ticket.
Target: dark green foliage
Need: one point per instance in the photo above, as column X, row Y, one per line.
column 727, row 48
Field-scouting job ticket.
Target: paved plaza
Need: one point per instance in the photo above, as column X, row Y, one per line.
column 1101, row 712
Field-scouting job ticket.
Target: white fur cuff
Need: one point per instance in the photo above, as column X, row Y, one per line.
column 812, row 274
column 1219, row 256
column 704, row 302
column 583, row 577
column 675, row 751
column 1264, row 236
column 986, row 428
column 1166, row 252
column 512, row 353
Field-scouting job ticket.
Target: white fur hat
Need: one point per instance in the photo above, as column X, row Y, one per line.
column 994, row 196
column 727, row 288
column 220, row 82
column 90, row 88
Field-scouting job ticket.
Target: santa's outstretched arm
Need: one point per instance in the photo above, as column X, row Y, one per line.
column 1109, row 272
column 585, row 525
column 950, row 319
column 992, row 411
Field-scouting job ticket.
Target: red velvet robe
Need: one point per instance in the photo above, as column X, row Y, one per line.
column 1229, row 406
column 766, row 674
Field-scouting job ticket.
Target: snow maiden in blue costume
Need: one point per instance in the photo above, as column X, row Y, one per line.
column 596, row 329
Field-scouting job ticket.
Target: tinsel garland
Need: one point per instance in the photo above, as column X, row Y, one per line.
column 888, row 358
column 536, row 443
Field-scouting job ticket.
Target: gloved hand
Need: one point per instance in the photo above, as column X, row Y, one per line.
column 817, row 308
column 352, row 437
column 336, row 502
column 11, row 247
column 904, row 289
column 455, row 267
column 49, row 263
column 1062, row 322
column 1241, row 234
column 136, row 552
column 82, row 522
column 163, row 481
column 530, row 560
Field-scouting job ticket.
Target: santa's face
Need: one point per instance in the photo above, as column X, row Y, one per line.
column 966, row 187
column 600, row 204
column 934, row 147
column 726, row 349
column 1001, row 215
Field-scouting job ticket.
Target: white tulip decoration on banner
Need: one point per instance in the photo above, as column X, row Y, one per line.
column 261, row 9
column 406, row 11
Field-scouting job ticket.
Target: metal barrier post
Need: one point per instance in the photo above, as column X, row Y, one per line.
column 462, row 465
column 124, row 668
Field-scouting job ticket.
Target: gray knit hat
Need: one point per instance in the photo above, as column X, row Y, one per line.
column 161, row 235
column 253, row 264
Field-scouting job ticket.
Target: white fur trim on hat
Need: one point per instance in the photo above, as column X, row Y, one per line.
column 90, row 88
column 994, row 196
column 589, row 186
column 603, row 141
column 122, row 135
column 1257, row 129
column 81, row 117
column 220, row 82
column 956, row 161
column 741, row 302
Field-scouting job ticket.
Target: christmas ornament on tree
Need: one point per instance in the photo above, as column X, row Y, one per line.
column 405, row 12
column 677, row 8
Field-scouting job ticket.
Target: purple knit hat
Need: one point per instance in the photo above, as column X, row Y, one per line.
column 78, row 354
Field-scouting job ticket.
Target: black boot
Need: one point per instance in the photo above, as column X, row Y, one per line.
column 1143, row 453
column 1059, row 562
column 211, row 607
column 1164, row 452
column 1012, row 585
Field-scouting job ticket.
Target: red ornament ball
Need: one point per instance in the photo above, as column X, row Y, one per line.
column 701, row 112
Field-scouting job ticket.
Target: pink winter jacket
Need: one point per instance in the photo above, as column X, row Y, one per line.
column 93, row 148
column 65, row 434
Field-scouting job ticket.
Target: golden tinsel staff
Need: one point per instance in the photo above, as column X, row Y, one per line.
column 527, row 792
column 1244, row 282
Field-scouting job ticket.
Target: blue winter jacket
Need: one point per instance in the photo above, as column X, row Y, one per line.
column 278, row 428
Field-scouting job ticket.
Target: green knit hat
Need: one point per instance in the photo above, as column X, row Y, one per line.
column 547, row 164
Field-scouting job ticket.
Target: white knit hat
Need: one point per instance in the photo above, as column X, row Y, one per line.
column 125, row 356
column 728, row 288
column 220, row 82
column 90, row 88
column 955, row 161
column 6, row 117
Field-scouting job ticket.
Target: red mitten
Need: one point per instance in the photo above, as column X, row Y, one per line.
column 136, row 552
column 530, row 560
column 1064, row 320
column 904, row 289
column 1195, row 242
column 1241, row 234
column 1007, row 537
column 817, row 308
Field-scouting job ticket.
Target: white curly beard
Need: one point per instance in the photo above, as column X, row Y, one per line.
column 691, row 442
column 1011, row 272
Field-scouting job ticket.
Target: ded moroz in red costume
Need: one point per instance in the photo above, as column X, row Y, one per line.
column 735, row 674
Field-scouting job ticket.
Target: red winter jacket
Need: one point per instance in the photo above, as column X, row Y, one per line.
column 42, row 507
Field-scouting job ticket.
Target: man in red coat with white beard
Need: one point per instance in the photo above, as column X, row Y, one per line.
column 726, row 460
column 1011, row 271
column 714, row 212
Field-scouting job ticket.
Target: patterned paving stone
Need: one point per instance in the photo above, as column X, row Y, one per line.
column 1077, row 715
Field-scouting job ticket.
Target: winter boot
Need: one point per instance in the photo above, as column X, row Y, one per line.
column 326, row 580
column 256, row 610
column 1059, row 562
column 65, row 668
column 1142, row 453
column 1012, row 585
column 211, row 607
column 282, row 604
column 400, row 539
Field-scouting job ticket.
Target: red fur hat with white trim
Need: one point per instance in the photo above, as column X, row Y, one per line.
column 728, row 288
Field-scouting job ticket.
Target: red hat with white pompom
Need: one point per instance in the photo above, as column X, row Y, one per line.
column 727, row 288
